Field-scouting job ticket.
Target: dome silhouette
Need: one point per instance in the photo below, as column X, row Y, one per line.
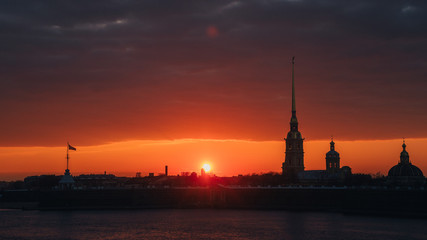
column 405, row 170
column 405, row 173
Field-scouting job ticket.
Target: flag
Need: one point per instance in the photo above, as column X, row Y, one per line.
column 71, row 147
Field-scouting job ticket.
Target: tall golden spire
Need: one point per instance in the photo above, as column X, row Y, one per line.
column 293, row 86
column 294, row 155
column 294, row 109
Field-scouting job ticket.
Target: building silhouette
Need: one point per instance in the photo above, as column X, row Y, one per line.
column 294, row 154
column 405, row 173
column 332, row 175
column 67, row 181
column 332, row 159
column 293, row 166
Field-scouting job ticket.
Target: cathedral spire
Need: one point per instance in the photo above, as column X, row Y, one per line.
column 294, row 155
column 294, row 121
column 294, row 109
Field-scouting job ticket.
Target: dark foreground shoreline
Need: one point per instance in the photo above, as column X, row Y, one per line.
column 382, row 202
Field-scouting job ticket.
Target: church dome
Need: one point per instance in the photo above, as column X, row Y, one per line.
column 405, row 170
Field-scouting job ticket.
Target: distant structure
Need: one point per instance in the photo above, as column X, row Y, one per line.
column 333, row 174
column 67, row 181
column 404, row 173
column 166, row 170
column 332, row 159
column 294, row 155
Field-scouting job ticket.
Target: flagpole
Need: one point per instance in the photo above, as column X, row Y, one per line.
column 67, row 153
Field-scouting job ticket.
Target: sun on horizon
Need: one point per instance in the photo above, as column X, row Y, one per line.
column 206, row 167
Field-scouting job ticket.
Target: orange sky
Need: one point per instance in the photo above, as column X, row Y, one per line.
column 138, row 74
column 227, row 157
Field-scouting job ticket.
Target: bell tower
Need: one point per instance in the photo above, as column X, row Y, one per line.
column 332, row 159
column 294, row 154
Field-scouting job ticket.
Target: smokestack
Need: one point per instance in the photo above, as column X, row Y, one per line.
column 166, row 170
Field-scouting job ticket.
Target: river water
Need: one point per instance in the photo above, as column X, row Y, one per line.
column 204, row 224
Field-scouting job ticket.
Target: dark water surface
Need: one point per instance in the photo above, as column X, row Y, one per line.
column 203, row 224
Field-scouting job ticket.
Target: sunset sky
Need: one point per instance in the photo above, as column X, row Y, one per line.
column 136, row 85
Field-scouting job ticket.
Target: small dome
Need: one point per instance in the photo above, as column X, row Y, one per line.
column 404, row 155
column 405, row 170
column 332, row 153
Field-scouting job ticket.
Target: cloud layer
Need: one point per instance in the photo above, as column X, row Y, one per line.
column 104, row 71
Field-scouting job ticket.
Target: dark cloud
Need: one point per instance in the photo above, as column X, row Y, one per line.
column 100, row 71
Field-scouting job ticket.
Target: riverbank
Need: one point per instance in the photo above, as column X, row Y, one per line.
column 385, row 202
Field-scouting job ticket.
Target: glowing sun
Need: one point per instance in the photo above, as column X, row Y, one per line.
column 206, row 167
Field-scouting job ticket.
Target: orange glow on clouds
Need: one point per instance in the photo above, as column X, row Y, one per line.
column 230, row 157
